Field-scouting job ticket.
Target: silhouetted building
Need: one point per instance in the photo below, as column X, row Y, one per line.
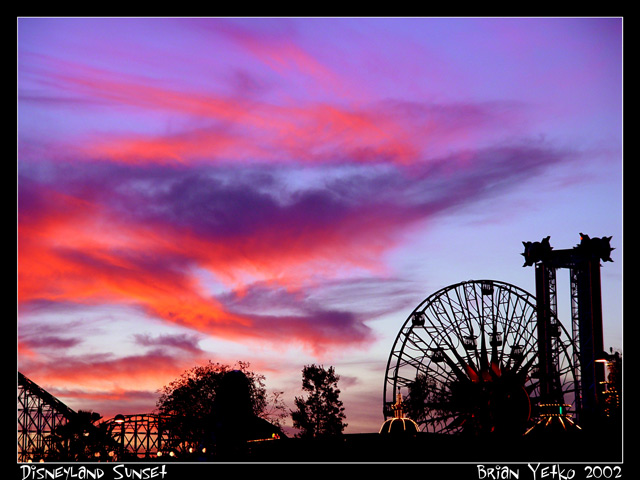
column 233, row 423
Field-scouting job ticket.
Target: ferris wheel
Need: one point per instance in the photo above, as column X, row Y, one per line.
column 466, row 360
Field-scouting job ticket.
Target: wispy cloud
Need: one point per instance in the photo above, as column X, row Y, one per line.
column 136, row 236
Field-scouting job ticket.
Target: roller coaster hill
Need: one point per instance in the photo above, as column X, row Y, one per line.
column 481, row 370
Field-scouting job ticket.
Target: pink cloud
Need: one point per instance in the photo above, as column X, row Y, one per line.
column 219, row 128
column 122, row 234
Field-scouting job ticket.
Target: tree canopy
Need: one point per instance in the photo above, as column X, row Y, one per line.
column 201, row 396
column 193, row 393
column 322, row 412
column 80, row 439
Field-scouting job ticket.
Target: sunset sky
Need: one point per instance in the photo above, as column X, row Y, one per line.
column 285, row 191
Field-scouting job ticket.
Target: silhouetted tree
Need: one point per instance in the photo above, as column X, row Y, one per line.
column 201, row 395
column 322, row 412
column 275, row 410
column 79, row 439
column 427, row 397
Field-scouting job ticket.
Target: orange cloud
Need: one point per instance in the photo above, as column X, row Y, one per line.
column 81, row 253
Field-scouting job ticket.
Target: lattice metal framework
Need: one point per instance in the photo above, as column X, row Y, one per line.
column 575, row 327
column 39, row 413
column 142, row 436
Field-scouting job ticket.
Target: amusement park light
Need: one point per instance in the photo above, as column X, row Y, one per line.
column 604, row 357
column 119, row 419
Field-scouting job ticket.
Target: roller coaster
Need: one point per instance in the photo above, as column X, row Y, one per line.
column 50, row 430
